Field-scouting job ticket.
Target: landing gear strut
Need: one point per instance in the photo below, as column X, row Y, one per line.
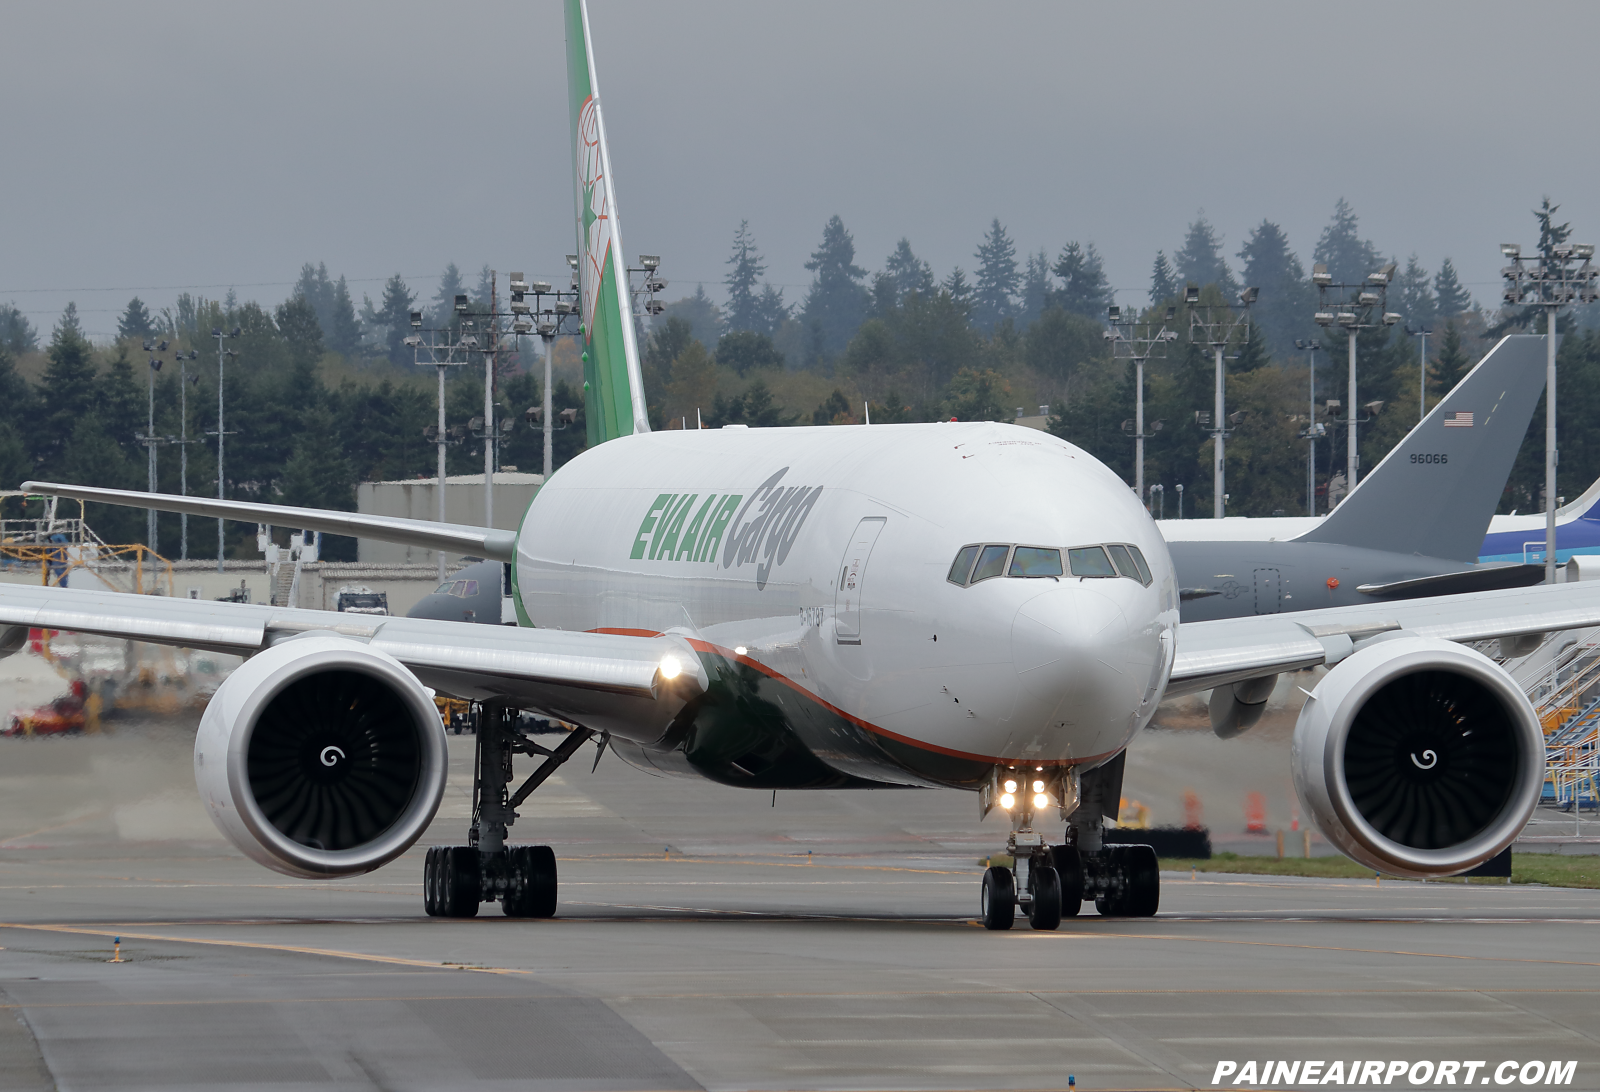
column 522, row 878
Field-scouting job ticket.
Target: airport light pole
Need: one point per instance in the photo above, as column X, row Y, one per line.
column 1137, row 340
column 1422, row 369
column 438, row 435
column 222, row 355
column 1354, row 308
column 1561, row 274
column 149, row 439
column 1215, row 325
column 1313, row 430
column 183, row 446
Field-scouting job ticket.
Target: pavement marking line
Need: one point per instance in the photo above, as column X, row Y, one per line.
column 273, row 1001
column 58, row 826
column 332, row 953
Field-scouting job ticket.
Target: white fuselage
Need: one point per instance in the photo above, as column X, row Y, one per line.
column 815, row 561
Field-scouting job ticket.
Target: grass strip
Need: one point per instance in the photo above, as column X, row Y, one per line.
column 1546, row 868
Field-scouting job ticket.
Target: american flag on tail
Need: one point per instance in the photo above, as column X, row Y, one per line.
column 1458, row 419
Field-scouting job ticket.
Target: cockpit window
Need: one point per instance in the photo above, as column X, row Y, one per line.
column 991, row 563
column 962, row 566
column 446, row 588
column 1124, row 562
column 1144, row 569
column 1090, row 561
column 1035, row 561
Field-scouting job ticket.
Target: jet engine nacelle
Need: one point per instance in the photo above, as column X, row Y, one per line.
column 1418, row 757
column 321, row 758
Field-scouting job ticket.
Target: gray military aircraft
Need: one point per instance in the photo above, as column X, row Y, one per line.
column 1411, row 529
column 477, row 593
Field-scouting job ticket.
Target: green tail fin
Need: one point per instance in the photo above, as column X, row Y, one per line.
column 613, row 385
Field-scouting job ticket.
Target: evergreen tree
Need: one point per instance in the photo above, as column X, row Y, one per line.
column 298, row 325
column 744, row 301
column 834, row 410
column 1163, row 280
column 771, row 311
column 1084, row 289
column 69, row 320
column 1551, row 234
column 135, row 321
column 15, row 466
column 907, row 272
column 443, row 314
column 67, row 392
column 997, row 279
column 319, row 475
column 16, row 332
column 956, row 286
column 1201, row 262
column 1452, row 364
column 342, row 330
column 746, row 350
column 1412, row 295
column 1060, row 343
column 122, row 401
column 1450, row 296
column 693, row 388
column 1035, row 289
column 980, row 396
column 316, row 289
column 483, row 296
column 1286, row 305
column 390, row 321
column 703, row 316
column 16, row 397
column 1349, row 258
column 837, row 302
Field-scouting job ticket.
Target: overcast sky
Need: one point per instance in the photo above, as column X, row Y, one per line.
column 152, row 148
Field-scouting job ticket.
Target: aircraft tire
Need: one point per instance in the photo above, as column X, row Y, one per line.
column 461, row 882
column 1143, row 881
column 1044, row 912
column 1068, row 863
column 999, row 898
column 430, row 881
column 533, row 893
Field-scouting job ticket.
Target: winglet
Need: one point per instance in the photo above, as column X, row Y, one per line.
column 613, row 384
column 1434, row 493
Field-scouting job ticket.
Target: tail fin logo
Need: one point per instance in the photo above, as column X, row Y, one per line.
column 596, row 210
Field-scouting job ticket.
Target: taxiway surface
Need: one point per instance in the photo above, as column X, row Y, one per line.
column 709, row 938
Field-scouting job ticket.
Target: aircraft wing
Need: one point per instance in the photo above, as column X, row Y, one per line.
column 593, row 679
column 486, row 542
column 1230, row 650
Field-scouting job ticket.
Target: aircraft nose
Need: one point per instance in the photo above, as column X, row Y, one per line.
column 1078, row 658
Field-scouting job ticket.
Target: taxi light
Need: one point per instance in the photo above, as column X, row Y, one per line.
column 1038, row 786
column 1011, row 786
column 670, row 667
column 1040, row 800
column 1007, row 801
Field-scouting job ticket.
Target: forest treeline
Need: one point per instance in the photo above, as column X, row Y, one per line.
column 323, row 393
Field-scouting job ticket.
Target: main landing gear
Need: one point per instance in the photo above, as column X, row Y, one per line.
column 521, row 878
column 1049, row 883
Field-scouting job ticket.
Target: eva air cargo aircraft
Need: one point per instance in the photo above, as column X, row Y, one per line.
column 971, row 605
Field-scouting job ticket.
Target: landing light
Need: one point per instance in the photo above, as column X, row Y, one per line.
column 1011, row 787
column 1040, row 800
column 740, row 650
column 1038, row 786
column 1007, row 801
column 670, row 667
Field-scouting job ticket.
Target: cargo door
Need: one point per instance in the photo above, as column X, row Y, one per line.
column 848, row 590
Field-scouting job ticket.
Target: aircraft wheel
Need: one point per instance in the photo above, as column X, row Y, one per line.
column 430, row 881
column 1143, row 879
column 461, row 882
column 1044, row 912
column 1068, row 863
column 999, row 898
column 533, row 876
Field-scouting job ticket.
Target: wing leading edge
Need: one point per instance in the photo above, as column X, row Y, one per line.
column 486, row 542
column 1229, row 650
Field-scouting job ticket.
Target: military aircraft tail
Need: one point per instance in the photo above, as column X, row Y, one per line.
column 613, row 384
column 1435, row 492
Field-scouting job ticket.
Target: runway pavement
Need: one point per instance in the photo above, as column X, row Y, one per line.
column 710, row 938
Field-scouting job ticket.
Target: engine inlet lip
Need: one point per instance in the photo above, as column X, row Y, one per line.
column 338, row 654
column 1504, row 828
